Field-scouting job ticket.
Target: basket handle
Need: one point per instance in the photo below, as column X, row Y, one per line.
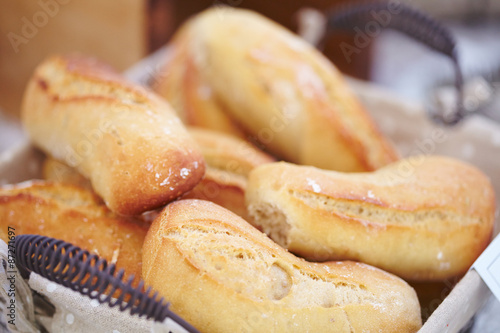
column 412, row 23
column 86, row 273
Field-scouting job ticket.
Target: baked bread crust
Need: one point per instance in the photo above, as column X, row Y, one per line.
column 229, row 161
column 201, row 256
column 280, row 90
column 126, row 140
column 423, row 218
column 228, row 153
column 75, row 215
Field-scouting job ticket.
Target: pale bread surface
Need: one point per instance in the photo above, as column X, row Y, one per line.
column 223, row 275
column 423, row 218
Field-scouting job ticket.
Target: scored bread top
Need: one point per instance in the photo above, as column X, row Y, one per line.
column 126, row 140
column 423, row 218
column 235, row 269
column 423, row 185
column 74, row 215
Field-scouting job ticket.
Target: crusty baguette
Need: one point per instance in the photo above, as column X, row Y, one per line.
column 280, row 90
column 229, row 160
column 75, row 215
column 220, row 151
column 424, row 218
column 223, row 185
column 126, row 140
column 223, row 275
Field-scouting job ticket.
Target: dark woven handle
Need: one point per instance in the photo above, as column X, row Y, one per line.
column 410, row 22
column 90, row 275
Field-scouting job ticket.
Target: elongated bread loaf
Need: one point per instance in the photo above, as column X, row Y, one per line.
column 124, row 139
column 280, row 90
column 229, row 161
column 223, row 275
column 75, row 215
column 424, row 218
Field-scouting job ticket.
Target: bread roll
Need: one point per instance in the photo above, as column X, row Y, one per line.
column 424, row 218
column 229, row 161
column 280, row 90
column 223, row 275
column 125, row 140
column 75, row 215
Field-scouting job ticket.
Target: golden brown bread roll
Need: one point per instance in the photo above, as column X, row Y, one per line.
column 75, row 215
column 223, row 275
column 222, row 184
column 229, row 161
column 280, row 90
column 424, row 218
column 126, row 140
